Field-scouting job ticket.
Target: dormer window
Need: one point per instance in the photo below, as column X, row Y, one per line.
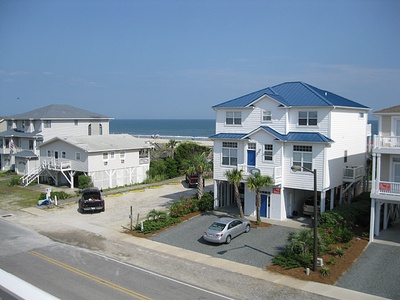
column 233, row 118
column 308, row 118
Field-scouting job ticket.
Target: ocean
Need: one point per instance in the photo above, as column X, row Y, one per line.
column 173, row 128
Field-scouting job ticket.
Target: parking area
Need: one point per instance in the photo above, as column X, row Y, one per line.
column 256, row 248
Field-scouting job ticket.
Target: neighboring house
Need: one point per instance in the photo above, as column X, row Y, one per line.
column 110, row 160
column 26, row 131
column 57, row 143
column 385, row 190
column 293, row 123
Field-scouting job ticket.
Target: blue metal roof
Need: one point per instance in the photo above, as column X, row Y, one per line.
column 228, row 136
column 294, row 94
column 313, row 137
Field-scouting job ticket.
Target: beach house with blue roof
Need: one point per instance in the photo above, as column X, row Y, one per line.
column 289, row 124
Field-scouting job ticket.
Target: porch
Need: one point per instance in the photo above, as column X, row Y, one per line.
column 274, row 172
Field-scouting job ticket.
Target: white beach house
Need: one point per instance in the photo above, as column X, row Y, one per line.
column 385, row 190
column 57, row 143
column 292, row 123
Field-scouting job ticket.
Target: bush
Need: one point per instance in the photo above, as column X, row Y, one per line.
column 150, row 226
column 206, row 203
column 16, row 180
column 325, row 271
column 183, row 207
column 60, row 195
column 84, row 182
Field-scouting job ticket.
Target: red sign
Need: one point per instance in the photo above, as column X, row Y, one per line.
column 384, row 186
column 276, row 191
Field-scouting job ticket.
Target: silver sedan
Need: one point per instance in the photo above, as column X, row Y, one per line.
column 225, row 229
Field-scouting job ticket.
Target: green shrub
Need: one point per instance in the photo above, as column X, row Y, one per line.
column 157, row 215
column 61, row 195
column 84, row 182
column 332, row 261
column 339, row 251
column 15, row 180
column 206, row 203
column 183, row 207
column 324, row 271
column 150, row 226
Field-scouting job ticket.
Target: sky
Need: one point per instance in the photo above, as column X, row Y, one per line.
column 176, row 59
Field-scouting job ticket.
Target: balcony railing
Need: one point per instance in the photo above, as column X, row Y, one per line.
column 56, row 164
column 352, row 174
column 274, row 172
column 386, row 142
column 387, row 188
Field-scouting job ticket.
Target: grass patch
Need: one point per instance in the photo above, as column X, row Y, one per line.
column 14, row 197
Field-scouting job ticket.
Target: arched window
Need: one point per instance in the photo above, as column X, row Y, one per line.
column 100, row 129
column 90, row 129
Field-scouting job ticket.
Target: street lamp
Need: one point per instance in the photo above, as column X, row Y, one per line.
column 299, row 168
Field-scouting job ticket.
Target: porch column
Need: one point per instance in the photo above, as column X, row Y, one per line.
column 372, row 221
column 216, row 193
column 377, row 217
column 373, row 189
column 378, row 173
column 385, row 215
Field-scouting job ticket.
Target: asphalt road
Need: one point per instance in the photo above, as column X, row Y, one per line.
column 69, row 272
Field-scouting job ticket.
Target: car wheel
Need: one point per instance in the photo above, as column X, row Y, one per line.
column 247, row 228
column 228, row 239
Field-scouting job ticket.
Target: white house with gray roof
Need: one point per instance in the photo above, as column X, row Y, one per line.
column 110, row 160
column 290, row 124
column 20, row 145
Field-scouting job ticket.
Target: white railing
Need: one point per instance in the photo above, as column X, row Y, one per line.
column 353, row 173
column 388, row 188
column 274, row 172
column 56, row 164
column 32, row 175
column 391, row 142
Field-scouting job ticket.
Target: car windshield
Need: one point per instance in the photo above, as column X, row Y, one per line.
column 217, row 226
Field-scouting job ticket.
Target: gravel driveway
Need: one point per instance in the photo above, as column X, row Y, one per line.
column 256, row 248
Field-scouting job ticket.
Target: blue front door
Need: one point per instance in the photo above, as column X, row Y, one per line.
column 265, row 206
column 251, row 158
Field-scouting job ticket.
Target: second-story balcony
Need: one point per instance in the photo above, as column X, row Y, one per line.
column 353, row 174
column 274, row 172
column 386, row 144
column 386, row 190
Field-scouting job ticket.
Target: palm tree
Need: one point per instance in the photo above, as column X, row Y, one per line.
column 256, row 183
column 171, row 144
column 234, row 177
column 198, row 164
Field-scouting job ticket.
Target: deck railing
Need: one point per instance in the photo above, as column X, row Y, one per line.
column 274, row 172
column 353, row 173
column 391, row 142
column 387, row 188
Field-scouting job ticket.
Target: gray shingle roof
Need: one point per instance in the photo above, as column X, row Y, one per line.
column 111, row 142
column 17, row 133
column 389, row 110
column 294, row 94
column 58, row 111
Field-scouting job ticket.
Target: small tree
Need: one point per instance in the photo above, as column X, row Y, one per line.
column 172, row 144
column 84, row 181
column 198, row 164
column 256, row 183
column 235, row 177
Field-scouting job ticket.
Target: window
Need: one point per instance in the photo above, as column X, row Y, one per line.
column 76, row 122
column 90, row 129
column 105, row 155
column 268, row 152
column 251, row 146
column 31, row 143
column 112, row 155
column 48, row 153
column 122, row 154
column 100, row 129
column 302, row 156
column 229, row 153
column 308, row 118
column 47, row 123
column 63, row 154
column 266, row 116
column 361, row 115
column 233, row 118
column 345, row 156
column 78, row 156
column 143, row 153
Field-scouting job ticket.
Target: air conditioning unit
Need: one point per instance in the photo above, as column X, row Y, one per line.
column 320, row 262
